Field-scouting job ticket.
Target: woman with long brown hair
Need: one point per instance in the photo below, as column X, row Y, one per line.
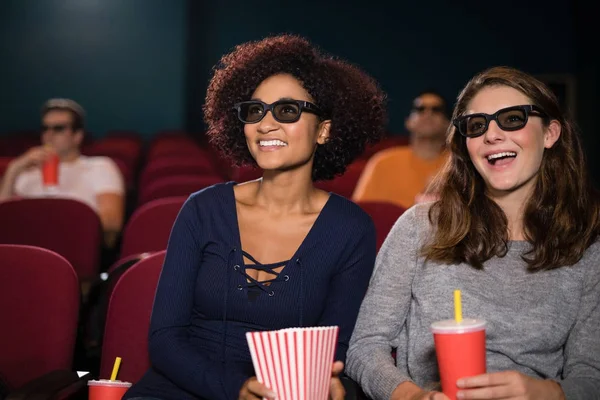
column 516, row 230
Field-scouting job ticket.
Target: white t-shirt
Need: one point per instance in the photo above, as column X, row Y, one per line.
column 81, row 180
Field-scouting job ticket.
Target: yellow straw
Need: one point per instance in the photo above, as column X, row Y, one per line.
column 457, row 306
column 113, row 376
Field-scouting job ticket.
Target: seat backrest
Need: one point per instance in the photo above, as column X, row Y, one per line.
column 124, row 148
column 126, row 172
column 173, row 145
column 4, row 161
column 245, row 173
column 384, row 217
column 68, row 227
column 344, row 184
column 39, row 306
column 150, row 225
column 16, row 143
column 128, row 319
column 177, row 165
column 178, row 185
column 124, row 134
column 93, row 312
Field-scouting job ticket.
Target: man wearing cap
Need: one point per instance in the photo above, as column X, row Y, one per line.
column 95, row 181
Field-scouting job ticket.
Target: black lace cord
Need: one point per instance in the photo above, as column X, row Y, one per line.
column 254, row 283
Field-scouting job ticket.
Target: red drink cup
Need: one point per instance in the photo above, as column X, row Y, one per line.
column 50, row 171
column 105, row 389
column 460, row 351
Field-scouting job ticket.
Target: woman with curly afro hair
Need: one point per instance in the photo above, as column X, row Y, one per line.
column 272, row 253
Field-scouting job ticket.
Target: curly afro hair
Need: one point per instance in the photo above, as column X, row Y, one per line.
column 350, row 98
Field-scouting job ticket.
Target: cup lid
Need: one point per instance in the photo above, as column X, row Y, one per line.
column 108, row 382
column 451, row 326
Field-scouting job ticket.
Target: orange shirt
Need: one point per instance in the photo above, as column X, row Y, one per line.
column 397, row 176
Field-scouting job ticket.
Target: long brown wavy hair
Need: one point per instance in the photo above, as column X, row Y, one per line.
column 561, row 218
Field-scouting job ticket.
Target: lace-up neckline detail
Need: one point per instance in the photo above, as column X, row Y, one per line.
column 254, row 286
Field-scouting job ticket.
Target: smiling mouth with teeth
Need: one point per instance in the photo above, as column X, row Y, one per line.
column 493, row 158
column 268, row 143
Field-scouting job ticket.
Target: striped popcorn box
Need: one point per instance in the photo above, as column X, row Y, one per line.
column 295, row 363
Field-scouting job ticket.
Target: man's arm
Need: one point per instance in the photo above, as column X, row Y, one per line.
column 33, row 157
column 110, row 197
column 8, row 182
column 111, row 209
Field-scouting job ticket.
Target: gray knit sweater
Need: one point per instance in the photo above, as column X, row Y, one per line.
column 544, row 324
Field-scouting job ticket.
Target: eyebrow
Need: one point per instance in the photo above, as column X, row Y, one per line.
column 482, row 112
column 280, row 99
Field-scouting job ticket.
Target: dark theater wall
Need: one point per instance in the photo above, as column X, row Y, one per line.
column 123, row 60
column 407, row 46
column 145, row 64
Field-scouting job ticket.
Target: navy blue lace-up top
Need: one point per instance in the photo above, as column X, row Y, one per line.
column 206, row 302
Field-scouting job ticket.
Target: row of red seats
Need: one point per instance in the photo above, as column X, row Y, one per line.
column 38, row 349
column 180, row 176
column 177, row 166
column 13, row 144
column 129, row 150
column 42, row 322
column 72, row 229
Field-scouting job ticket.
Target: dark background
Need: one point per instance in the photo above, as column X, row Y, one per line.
column 145, row 64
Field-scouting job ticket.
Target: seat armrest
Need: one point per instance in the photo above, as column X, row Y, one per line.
column 53, row 385
column 353, row 390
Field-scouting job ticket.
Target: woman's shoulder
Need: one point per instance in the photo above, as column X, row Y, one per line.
column 215, row 193
column 587, row 267
column 591, row 256
column 348, row 212
column 351, row 213
column 210, row 199
column 417, row 216
column 413, row 224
